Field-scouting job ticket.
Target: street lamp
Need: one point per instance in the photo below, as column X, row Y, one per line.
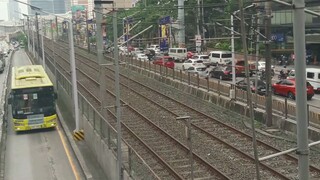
column 72, row 63
column 188, row 135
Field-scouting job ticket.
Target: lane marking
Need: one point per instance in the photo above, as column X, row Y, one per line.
column 75, row 172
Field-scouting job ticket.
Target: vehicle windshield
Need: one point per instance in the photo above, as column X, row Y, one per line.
column 32, row 101
column 199, row 61
column 204, row 57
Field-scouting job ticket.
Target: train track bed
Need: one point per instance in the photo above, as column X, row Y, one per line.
column 208, row 108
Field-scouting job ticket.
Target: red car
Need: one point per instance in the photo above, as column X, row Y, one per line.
column 166, row 61
column 287, row 87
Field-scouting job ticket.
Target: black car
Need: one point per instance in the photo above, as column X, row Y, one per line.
column 221, row 72
column 261, row 85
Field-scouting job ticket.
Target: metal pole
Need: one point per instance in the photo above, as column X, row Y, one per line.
column 249, row 94
column 117, row 91
column 29, row 44
column 57, row 28
column 87, row 26
column 232, row 50
column 170, row 36
column 268, row 63
column 38, row 36
column 190, row 147
column 301, row 94
column 33, row 49
column 43, row 56
column 181, row 34
column 257, row 59
column 73, row 75
column 203, row 30
column 198, row 24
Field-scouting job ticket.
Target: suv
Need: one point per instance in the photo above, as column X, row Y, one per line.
column 241, row 68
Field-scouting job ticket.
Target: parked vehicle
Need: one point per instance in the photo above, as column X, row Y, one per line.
column 189, row 54
column 221, row 72
column 287, row 87
column 202, row 57
column 220, row 57
column 201, row 70
column 261, row 86
column 178, row 54
column 312, row 75
column 240, row 66
column 141, row 57
column 166, row 61
column 192, row 63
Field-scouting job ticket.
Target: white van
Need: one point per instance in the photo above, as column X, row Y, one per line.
column 178, row 54
column 220, row 57
column 312, row 75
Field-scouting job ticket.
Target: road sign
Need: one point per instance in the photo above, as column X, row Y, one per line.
column 198, row 40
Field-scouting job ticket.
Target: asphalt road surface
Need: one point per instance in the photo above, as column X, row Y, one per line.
column 314, row 102
column 40, row 154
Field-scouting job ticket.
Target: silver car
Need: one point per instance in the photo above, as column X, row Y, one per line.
column 201, row 70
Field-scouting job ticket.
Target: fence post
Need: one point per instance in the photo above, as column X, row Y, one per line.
column 188, row 78
column 208, row 88
column 149, row 66
column 180, row 75
column 308, row 111
column 198, row 80
column 130, row 162
column 160, row 70
column 286, row 107
column 219, row 87
column 166, row 71
column 174, row 73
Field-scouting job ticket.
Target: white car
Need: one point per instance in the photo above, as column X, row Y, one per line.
column 201, row 70
column 142, row 57
column 192, row 63
column 204, row 58
column 262, row 65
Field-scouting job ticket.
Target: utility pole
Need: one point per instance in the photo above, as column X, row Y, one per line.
column 87, row 29
column 38, row 38
column 203, row 30
column 198, row 25
column 249, row 94
column 181, row 33
column 301, row 94
column 117, row 92
column 57, row 28
column 268, row 63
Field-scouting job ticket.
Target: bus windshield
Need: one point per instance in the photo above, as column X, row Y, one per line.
column 33, row 101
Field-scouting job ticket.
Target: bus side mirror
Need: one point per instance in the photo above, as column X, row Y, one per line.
column 55, row 96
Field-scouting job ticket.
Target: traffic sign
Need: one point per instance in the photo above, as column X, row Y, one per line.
column 198, row 40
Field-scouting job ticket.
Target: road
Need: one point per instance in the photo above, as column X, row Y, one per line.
column 40, row 154
column 314, row 102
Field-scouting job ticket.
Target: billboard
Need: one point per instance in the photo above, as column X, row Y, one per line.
column 164, row 32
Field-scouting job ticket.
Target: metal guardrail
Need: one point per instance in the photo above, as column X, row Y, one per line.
column 281, row 107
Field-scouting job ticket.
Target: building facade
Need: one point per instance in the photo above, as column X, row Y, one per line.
column 14, row 11
column 52, row 6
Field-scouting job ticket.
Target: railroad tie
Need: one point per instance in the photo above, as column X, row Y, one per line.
column 78, row 135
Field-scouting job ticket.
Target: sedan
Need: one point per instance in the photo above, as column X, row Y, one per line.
column 202, row 71
column 287, row 87
column 221, row 72
column 261, row 88
column 192, row 63
column 166, row 61
column 142, row 57
column 202, row 57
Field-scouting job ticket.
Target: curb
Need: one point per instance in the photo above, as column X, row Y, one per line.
column 3, row 126
column 75, row 148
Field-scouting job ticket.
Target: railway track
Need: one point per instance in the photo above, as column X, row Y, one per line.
column 206, row 128
column 143, row 134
